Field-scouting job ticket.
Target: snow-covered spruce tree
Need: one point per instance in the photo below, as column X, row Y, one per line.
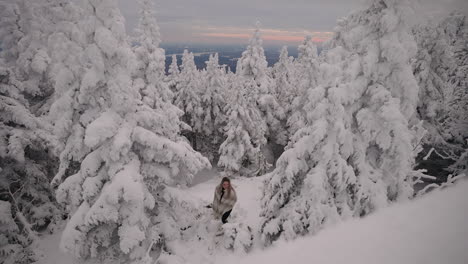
column 213, row 101
column 10, row 30
column 241, row 153
column 188, row 97
column 119, row 153
column 441, row 69
column 26, row 164
column 252, row 67
column 356, row 153
column 455, row 27
column 456, row 30
column 213, row 92
column 26, row 144
column 172, row 78
column 306, row 77
column 432, row 67
column 151, row 58
column 284, row 74
column 14, row 244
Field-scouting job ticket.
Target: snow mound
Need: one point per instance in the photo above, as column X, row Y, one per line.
column 428, row 230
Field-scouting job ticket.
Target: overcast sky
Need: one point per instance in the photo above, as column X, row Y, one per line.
column 283, row 21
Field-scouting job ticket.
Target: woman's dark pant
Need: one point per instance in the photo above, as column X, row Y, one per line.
column 225, row 216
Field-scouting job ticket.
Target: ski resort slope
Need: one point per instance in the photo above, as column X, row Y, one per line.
column 429, row 230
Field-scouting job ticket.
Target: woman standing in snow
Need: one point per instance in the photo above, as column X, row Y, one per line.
column 224, row 199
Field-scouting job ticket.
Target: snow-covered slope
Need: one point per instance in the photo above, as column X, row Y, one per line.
column 429, row 230
column 432, row 229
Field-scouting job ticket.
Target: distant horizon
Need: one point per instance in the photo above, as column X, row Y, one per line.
column 240, row 45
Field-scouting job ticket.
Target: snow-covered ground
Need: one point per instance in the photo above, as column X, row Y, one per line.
column 248, row 192
column 432, row 229
column 428, row 230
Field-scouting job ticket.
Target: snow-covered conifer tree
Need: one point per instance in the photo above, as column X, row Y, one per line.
column 456, row 30
column 241, row 151
column 26, row 143
column 455, row 27
column 253, row 63
column 307, row 74
column 284, row 74
column 188, row 97
column 174, row 72
column 356, row 152
column 212, row 95
column 14, row 245
column 252, row 71
column 26, row 164
column 213, row 101
column 433, row 66
column 119, row 153
column 150, row 58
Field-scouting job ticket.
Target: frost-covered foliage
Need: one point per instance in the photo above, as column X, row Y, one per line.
column 119, row 153
column 356, row 152
column 188, row 97
column 253, row 62
column 252, row 71
column 433, row 66
column 26, row 144
column 26, row 26
column 441, row 69
column 150, row 58
column 237, row 237
column 456, row 30
column 241, row 152
column 306, row 77
column 213, row 118
column 10, row 30
column 14, row 245
column 173, row 77
column 212, row 96
column 26, row 164
column 284, row 73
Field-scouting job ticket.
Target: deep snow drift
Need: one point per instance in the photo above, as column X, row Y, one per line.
column 428, row 230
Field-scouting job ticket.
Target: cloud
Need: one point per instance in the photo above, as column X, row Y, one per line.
column 190, row 21
column 268, row 35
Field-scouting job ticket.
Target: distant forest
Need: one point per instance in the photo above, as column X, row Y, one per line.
column 228, row 54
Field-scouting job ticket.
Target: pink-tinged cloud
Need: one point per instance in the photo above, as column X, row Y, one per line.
column 271, row 35
column 226, row 35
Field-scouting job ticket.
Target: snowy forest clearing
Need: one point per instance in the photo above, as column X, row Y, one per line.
column 199, row 196
column 429, row 230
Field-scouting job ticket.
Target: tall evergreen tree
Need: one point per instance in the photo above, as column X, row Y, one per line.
column 188, row 97
column 356, row 153
column 151, row 58
column 173, row 74
column 213, row 100
column 433, row 66
column 120, row 154
column 241, row 152
column 27, row 156
column 284, row 74
column 306, row 77
column 455, row 28
column 252, row 71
